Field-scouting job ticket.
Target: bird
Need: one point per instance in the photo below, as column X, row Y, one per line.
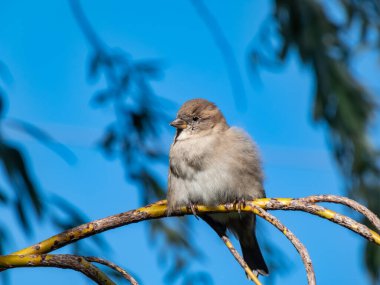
column 211, row 163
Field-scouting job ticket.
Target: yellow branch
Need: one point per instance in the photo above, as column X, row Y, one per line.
column 239, row 259
column 246, row 268
column 347, row 202
column 66, row 261
column 159, row 210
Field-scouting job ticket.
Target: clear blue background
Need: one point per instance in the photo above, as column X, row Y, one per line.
column 47, row 55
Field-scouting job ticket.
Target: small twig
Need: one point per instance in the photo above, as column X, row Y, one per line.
column 42, row 137
column 348, row 202
column 240, row 259
column 293, row 239
column 300, row 205
column 113, row 266
column 221, row 232
column 66, row 261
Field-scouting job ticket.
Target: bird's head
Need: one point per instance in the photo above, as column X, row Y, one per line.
column 198, row 117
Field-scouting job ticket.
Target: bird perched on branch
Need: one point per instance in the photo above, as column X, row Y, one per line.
column 211, row 164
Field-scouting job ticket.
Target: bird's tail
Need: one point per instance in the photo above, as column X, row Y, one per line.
column 252, row 253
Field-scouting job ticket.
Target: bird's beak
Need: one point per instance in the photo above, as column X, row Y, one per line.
column 179, row 124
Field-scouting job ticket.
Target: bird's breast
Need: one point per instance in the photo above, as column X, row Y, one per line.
column 198, row 174
column 188, row 157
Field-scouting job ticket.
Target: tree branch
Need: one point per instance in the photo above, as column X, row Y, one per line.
column 159, row 210
column 294, row 240
column 349, row 203
column 221, row 233
column 239, row 259
column 113, row 266
column 299, row 205
column 65, row 261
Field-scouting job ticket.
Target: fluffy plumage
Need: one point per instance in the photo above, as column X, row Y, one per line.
column 212, row 163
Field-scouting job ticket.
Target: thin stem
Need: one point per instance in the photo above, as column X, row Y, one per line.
column 239, row 259
column 221, row 232
column 348, row 202
column 293, row 239
column 113, row 266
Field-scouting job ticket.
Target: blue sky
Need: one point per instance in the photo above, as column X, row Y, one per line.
column 47, row 56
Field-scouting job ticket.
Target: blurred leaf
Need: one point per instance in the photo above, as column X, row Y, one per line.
column 76, row 216
column 95, row 63
column 27, row 196
column 102, row 97
column 150, row 68
column 3, row 198
column 44, row 138
column 125, row 81
column 341, row 102
column 4, row 238
column 1, row 102
column 19, row 176
column 22, row 216
column 177, row 270
column 108, row 141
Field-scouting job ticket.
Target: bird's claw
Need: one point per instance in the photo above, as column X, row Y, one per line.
column 240, row 204
column 193, row 210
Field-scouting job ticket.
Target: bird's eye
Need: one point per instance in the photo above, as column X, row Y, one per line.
column 195, row 119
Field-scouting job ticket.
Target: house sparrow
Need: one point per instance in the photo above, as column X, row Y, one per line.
column 211, row 164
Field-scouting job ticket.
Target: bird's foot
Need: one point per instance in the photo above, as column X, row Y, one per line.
column 191, row 207
column 240, row 204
